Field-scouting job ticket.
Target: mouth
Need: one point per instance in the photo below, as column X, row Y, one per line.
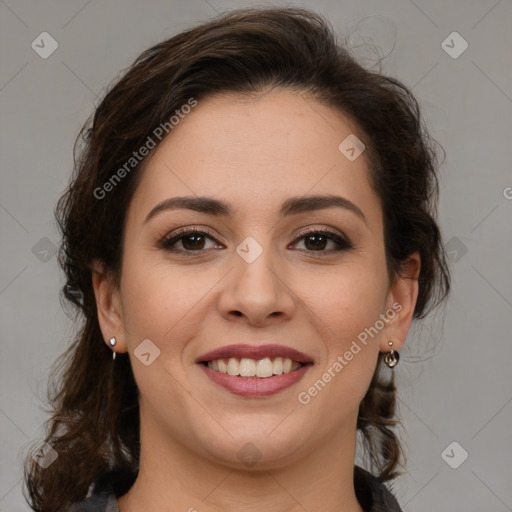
column 254, row 371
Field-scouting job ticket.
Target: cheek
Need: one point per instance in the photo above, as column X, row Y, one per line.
column 145, row 309
column 351, row 300
column 346, row 313
column 158, row 305
column 160, row 300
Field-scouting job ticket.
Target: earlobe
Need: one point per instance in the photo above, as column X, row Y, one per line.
column 108, row 306
column 403, row 295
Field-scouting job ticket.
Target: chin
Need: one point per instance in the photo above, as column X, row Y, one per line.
column 256, row 447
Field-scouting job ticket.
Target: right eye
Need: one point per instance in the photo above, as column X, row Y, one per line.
column 192, row 241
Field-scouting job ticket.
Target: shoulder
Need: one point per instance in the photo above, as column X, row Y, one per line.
column 372, row 494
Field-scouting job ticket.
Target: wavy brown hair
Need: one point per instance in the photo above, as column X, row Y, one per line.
column 94, row 423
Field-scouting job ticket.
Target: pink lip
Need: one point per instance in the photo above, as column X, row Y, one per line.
column 249, row 386
column 255, row 352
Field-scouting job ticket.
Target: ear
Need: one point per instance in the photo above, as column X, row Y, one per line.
column 108, row 304
column 401, row 302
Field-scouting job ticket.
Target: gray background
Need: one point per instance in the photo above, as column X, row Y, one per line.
column 454, row 375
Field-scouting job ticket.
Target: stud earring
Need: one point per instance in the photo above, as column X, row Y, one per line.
column 391, row 358
column 113, row 342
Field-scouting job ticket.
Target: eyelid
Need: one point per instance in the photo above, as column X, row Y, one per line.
column 186, row 230
column 164, row 240
column 320, row 229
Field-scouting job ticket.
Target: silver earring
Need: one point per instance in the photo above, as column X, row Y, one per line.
column 391, row 358
column 113, row 342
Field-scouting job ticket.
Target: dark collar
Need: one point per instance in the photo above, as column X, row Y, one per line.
column 371, row 493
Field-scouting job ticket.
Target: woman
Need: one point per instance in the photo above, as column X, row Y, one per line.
column 249, row 232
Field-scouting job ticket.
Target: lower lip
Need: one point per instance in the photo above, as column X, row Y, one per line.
column 253, row 387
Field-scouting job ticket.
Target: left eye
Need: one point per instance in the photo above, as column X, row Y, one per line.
column 319, row 239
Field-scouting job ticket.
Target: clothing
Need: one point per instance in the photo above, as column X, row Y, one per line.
column 372, row 495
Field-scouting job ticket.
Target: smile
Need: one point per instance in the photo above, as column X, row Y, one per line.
column 252, row 370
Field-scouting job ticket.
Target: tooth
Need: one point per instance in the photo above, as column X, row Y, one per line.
column 233, row 366
column 278, row 366
column 264, row 368
column 247, row 367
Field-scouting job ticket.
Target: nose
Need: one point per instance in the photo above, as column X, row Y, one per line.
column 257, row 291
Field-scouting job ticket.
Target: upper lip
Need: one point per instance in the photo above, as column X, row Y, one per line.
column 255, row 352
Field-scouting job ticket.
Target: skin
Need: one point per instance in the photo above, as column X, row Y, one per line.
column 253, row 153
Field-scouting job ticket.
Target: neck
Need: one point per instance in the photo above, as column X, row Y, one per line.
column 172, row 477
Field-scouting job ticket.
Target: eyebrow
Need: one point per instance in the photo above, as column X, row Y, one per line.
column 291, row 206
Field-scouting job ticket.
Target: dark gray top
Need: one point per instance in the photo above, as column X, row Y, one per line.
column 372, row 495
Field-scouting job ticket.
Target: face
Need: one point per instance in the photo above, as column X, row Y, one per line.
column 265, row 267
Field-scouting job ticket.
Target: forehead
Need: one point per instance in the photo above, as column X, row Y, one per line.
column 254, row 152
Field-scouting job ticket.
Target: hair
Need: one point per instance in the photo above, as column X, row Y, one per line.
column 94, row 423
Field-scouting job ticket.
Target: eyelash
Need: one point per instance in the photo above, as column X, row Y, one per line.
column 343, row 244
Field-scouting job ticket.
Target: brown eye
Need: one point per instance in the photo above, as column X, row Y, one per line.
column 193, row 242
column 316, row 241
column 190, row 240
